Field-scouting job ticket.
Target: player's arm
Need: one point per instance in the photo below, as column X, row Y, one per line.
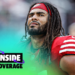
column 67, row 64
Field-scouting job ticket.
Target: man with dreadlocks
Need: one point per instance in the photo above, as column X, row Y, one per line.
column 45, row 44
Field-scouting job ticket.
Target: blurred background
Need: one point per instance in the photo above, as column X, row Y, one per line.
column 13, row 15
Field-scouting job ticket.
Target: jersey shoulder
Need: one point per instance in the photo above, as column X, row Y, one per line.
column 62, row 46
column 59, row 40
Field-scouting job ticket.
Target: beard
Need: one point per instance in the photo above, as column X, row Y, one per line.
column 40, row 30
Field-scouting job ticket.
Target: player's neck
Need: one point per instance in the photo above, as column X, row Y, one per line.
column 37, row 41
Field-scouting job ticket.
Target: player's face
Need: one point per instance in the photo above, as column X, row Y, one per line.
column 37, row 21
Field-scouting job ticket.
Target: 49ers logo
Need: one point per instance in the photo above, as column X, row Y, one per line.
column 36, row 5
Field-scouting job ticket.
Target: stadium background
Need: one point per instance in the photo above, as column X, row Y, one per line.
column 13, row 15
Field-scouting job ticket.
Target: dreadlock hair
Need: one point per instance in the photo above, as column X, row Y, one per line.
column 54, row 26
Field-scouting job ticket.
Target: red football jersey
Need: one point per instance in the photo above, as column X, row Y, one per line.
column 62, row 46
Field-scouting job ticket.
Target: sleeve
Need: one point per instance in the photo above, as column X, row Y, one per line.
column 64, row 46
column 67, row 46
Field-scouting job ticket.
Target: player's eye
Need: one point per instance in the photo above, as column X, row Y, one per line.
column 40, row 14
column 30, row 15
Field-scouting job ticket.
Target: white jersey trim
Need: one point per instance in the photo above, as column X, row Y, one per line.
column 64, row 50
column 67, row 45
column 70, row 40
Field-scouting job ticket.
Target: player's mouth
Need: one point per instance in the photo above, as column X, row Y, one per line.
column 34, row 24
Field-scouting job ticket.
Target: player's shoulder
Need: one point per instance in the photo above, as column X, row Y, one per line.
column 62, row 38
column 59, row 40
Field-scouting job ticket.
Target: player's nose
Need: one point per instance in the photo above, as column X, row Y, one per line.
column 34, row 17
